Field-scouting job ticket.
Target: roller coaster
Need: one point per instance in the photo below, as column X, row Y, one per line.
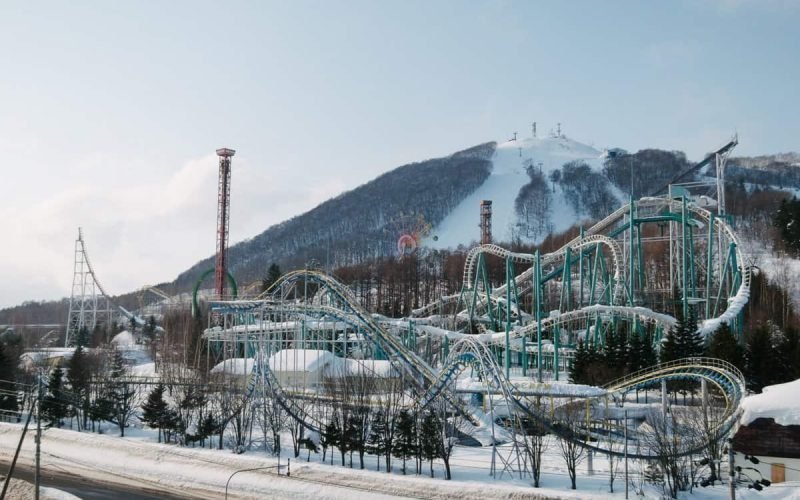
column 498, row 354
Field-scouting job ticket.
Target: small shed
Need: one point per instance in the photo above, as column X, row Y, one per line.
column 770, row 431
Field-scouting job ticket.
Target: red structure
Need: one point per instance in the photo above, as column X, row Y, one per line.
column 223, row 216
column 486, row 222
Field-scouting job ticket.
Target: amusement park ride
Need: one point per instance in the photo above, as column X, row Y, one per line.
column 499, row 355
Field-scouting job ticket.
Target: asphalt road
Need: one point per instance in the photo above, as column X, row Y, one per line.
column 88, row 488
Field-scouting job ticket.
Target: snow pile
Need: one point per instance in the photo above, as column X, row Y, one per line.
column 780, row 402
column 303, row 360
column 309, row 360
column 143, row 370
column 23, row 490
column 123, row 339
column 234, row 366
column 504, row 183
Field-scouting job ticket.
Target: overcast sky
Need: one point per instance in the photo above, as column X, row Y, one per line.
column 110, row 112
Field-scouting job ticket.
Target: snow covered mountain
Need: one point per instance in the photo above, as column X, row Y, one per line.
column 537, row 186
column 513, row 163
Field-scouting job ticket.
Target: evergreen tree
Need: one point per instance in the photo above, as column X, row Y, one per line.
column 54, row 405
column 581, row 363
column 120, row 395
column 430, row 436
column 273, row 274
column 8, row 398
column 150, row 328
column 672, row 342
column 331, row 436
column 723, row 345
column 82, row 337
column 405, row 444
column 375, row 443
column 787, row 221
column 79, row 378
column 155, row 410
column 759, row 360
column 648, row 356
column 693, row 343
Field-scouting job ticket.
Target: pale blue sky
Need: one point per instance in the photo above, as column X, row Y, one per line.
column 110, row 111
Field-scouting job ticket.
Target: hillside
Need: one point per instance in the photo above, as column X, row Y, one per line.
column 538, row 186
column 359, row 224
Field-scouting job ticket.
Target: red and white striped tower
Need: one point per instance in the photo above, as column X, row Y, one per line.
column 223, row 216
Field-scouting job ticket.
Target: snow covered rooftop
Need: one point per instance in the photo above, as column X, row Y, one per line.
column 234, row 366
column 780, row 402
column 298, row 360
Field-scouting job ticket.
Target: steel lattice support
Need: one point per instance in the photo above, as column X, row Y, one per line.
column 223, row 217
column 88, row 304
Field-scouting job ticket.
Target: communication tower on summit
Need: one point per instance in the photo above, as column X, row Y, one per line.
column 223, row 217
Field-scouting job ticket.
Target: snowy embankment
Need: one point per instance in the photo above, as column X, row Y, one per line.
column 202, row 473
column 23, row 490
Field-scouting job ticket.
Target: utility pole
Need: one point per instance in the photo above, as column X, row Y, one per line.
column 38, row 475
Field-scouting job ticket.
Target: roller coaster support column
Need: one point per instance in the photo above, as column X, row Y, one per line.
column 664, row 396
column 709, row 262
column 566, row 281
column 684, row 270
column 509, row 279
column 537, row 287
column 631, row 215
column 580, row 274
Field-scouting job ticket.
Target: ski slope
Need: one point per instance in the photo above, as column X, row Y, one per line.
column 507, row 178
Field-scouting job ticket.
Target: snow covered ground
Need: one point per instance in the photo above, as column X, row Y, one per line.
column 507, row 178
column 203, row 473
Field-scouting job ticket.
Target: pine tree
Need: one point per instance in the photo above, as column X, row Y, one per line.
column 759, row 361
column 636, row 348
column 580, row 363
column 120, row 395
column 723, row 345
column 8, row 398
column 429, row 436
column 405, row 445
column 648, row 356
column 375, row 443
column 672, row 342
column 331, row 436
column 154, row 410
column 79, row 379
column 54, row 405
column 693, row 343
column 82, row 337
column 273, row 274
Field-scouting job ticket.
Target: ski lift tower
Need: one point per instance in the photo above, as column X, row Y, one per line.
column 223, row 217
